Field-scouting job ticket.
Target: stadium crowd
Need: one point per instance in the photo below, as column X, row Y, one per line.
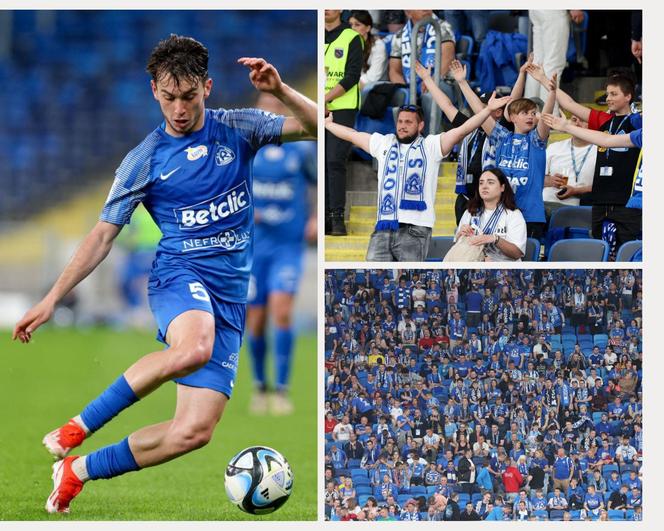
column 483, row 51
column 483, row 394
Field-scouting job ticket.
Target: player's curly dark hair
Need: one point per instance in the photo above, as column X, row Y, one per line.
column 183, row 58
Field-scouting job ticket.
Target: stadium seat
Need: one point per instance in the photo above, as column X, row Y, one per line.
column 418, row 490
column 575, row 515
column 358, row 472
column 354, row 463
column 363, row 489
column 601, row 339
column 360, row 481
column 627, row 250
column 579, row 250
column 341, row 472
column 572, row 216
column 555, row 514
column 362, row 499
column 438, row 247
column 629, row 514
column 542, row 513
column 464, row 498
column 533, row 247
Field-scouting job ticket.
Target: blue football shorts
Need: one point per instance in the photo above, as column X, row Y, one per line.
column 276, row 271
column 170, row 298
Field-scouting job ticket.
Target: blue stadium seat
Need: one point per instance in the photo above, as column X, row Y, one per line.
column 354, row 463
column 439, row 247
column 358, row 472
column 616, row 514
column 464, row 498
column 533, row 247
column 341, row 472
column 579, row 250
column 363, row 489
column 627, row 250
column 629, row 514
column 418, row 490
column 362, row 499
column 541, row 513
column 360, row 481
column 555, row 514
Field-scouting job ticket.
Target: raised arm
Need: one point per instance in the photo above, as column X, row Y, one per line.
column 459, row 73
column 265, row 77
column 520, row 83
column 453, row 136
column 94, row 248
column 565, row 101
column 542, row 127
column 348, row 134
column 438, row 95
column 599, row 138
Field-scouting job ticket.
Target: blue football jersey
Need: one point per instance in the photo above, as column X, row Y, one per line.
column 522, row 157
column 198, row 190
column 281, row 175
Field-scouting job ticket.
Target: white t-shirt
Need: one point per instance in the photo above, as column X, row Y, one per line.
column 377, row 70
column 379, row 147
column 559, row 160
column 511, row 227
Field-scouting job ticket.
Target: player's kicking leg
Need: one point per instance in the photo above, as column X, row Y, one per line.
column 191, row 337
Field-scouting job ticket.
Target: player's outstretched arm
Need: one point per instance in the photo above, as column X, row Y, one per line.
column 357, row 138
column 453, row 136
column 94, row 248
column 265, row 77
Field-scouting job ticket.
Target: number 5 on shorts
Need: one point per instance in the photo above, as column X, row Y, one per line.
column 198, row 291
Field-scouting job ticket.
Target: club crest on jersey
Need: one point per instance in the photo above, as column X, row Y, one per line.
column 224, row 155
column 196, row 152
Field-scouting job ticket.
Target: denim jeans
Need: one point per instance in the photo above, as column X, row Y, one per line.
column 409, row 244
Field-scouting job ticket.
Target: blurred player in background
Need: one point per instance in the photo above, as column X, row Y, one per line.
column 283, row 176
column 193, row 175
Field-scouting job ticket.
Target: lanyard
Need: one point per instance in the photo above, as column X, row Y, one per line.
column 608, row 151
column 473, row 149
column 583, row 161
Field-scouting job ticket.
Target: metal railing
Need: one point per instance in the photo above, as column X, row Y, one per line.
column 434, row 119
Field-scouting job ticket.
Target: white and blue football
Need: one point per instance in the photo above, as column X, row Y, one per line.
column 258, row 480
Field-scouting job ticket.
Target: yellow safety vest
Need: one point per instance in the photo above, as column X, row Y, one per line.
column 336, row 55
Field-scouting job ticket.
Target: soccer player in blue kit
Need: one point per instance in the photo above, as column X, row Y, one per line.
column 193, row 175
column 282, row 175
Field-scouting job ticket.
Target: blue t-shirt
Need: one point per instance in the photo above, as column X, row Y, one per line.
column 198, row 190
column 281, row 175
column 636, row 200
column 522, row 157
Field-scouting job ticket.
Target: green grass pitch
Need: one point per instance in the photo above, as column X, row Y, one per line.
column 46, row 382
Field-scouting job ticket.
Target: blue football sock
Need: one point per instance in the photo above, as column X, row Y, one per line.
column 257, row 349
column 283, row 349
column 108, row 404
column 111, row 461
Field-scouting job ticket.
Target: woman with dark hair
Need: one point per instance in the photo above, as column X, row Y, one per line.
column 492, row 219
column 374, row 65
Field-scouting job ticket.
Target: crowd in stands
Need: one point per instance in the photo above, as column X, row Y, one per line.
column 483, row 394
column 483, row 51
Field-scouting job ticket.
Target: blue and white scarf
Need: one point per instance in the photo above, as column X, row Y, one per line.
column 492, row 223
column 410, row 184
column 427, row 50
